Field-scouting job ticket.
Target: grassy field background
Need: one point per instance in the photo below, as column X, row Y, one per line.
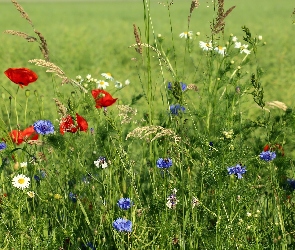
column 91, row 37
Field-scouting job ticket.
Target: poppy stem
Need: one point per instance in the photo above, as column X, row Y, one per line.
column 15, row 106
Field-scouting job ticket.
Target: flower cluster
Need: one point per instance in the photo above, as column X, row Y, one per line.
column 175, row 109
column 122, row 225
column 267, row 155
column 164, row 163
column 237, row 170
column 125, row 203
column 172, row 200
column 67, row 124
column 101, row 162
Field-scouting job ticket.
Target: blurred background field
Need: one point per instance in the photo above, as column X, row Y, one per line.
column 92, row 37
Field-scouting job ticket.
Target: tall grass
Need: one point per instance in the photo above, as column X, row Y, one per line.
column 198, row 167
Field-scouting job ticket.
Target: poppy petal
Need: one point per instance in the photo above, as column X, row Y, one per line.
column 102, row 98
column 82, row 123
column 67, row 125
column 21, row 76
column 29, row 134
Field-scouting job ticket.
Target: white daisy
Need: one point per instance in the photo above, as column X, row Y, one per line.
column 234, row 39
column 108, row 76
column 127, row 82
column 186, row 34
column 243, row 48
column 31, row 194
column 118, row 85
column 101, row 162
column 88, row 77
column 21, row 181
column 206, row 46
column 23, row 164
column 220, row 50
column 102, row 84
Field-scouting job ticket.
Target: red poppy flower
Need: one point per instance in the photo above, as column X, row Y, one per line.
column 274, row 148
column 266, row 148
column 18, row 136
column 67, row 124
column 21, row 76
column 102, row 98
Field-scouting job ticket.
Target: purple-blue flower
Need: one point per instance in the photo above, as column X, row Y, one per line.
column 122, row 225
column 164, row 163
column 43, row 127
column 89, row 244
column 3, row 146
column 183, row 86
column 267, row 155
column 175, row 109
column 73, row 197
column 125, row 203
column 237, row 170
column 291, row 183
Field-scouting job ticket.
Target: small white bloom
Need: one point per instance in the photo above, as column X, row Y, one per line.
column 108, row 76
column 23, row 164
column 186, row 35
column 88, row 77
column 118, row 85
column 228, row 134
column 198, row 33
column 249, row 214
column 102, row 84
column 159, row 35
column 101, row 162
column 259, row 38
column 127, row 82
column 31, row 194
column 206, row 46
column 234, row 39
column 78, row 78
column 243, row 48
column 21, row 181
column 220, row 50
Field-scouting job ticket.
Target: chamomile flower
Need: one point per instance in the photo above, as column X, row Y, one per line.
column 186, row 35
column 205, row 46
column 234, row 39
column 108, row 76
column 127, row 82
column 88, row 77
column 31, row 194
column 21, row 181
column 220, row 50
column 23, row 164
column 102, row 84
column 243, row 48
column 118, row 85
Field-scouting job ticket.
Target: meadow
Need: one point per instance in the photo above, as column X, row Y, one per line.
column 158, row 126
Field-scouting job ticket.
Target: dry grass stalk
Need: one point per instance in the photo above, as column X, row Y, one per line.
column 277, row 104
column 195, row 4
column 21, row 34
column 43, row 45
column 192, row 86
column 219, row 24
column 52, row 68
column 155, row 131
column 62, row 110
column 137, row 39
column 22, row 12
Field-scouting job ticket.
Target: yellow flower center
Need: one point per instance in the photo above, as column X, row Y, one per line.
column 21, row 181
column 101, row 82
column 109, row 74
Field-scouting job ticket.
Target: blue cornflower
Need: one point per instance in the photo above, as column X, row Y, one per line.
column 43, row 127
column 237, row 170
column 267, row 155
column 3, row 146
column 122, row 225
column 73, row 197
column 89, row 244
column 291, row 183
column 125, row 203
column 43, row 173
column 174, row 109
column 183, row 86
column 37, row 178
column 164, row 163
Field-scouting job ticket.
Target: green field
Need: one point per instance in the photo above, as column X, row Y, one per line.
column 93, row 37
